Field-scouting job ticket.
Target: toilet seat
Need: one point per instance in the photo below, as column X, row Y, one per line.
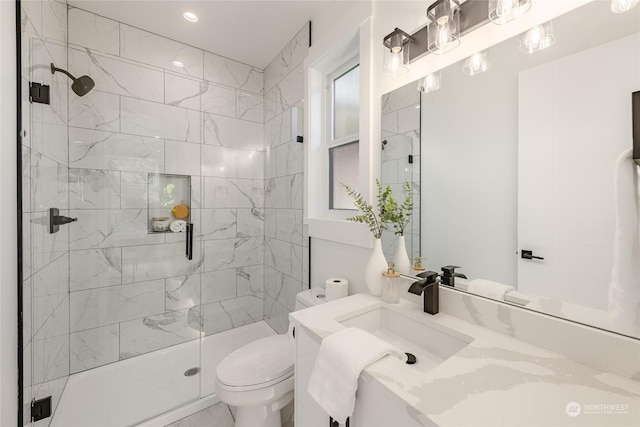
column 259, row 364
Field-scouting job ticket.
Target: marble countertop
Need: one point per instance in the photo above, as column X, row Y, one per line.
column 495, row 380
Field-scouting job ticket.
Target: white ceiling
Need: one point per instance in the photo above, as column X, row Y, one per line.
column 248, row 31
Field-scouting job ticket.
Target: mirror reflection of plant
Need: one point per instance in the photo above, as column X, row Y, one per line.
column 377, row 222
column 399, row 215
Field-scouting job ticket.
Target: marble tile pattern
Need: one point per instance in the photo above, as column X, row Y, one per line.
column 45, row 180
column 284, row 254
column 131, row 292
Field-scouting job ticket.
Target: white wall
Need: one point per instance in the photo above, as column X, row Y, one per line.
column 334, row 259
column 569, row 141
column 469, row 173
column 8, row 261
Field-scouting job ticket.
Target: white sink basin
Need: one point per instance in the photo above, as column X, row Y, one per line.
column 430, row 342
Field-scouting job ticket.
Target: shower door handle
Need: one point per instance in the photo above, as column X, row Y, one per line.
column 189, row 241
column 527, row 254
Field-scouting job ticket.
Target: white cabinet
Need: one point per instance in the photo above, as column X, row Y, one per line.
column 373, row 408
column 307, row 411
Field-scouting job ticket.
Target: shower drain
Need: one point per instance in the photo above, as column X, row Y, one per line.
column 191, row 372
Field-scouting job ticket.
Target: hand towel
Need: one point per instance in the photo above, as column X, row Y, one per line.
column 624, row 288
column 489, row 289
column 343, row 355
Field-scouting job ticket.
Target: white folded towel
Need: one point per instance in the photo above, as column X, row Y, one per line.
column 343, row 355
column 489, row 289
column 624, row 288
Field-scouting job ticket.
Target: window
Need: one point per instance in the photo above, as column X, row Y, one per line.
column 344, row 111
column 343, row 168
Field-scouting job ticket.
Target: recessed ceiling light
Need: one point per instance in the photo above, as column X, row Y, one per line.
column 190, row 16
column 178, row 64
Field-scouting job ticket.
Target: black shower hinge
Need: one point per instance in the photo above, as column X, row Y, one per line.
column 39, row 93
column 40, row 409
column 299, row 139
column 410, row 159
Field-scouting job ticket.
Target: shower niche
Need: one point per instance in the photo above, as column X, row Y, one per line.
column 169, row 203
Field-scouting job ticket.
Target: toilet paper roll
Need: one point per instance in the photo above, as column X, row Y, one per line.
column 336, row 288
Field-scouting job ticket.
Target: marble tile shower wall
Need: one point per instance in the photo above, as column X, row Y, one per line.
column 132, row 292
column 401, row 129
column 45, row 182
column 286, row 251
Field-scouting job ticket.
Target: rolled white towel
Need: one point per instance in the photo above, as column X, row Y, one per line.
column 624, row 288
column 343, row 355
column 489, row 289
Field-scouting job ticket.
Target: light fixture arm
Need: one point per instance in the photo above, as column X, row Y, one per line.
column 389, row 38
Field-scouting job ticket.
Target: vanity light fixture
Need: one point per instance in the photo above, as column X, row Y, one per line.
column 622, row 6
column 503, row 11
column 476, row 64
column 190, row 16
column 178, row 64
column 443, row 33
column 447, row 21
column 537, row 38
column 394, row 53
column 431, row 82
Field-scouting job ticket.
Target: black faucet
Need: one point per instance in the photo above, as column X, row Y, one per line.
column 449, row 275
column 429, row 286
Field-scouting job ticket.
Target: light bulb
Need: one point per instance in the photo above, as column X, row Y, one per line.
column 537, row 38
column 503, row 11
column 431, row 82
column 622, row 6
column 476, row 64
column 394, row 64
column 533, row 37
column 443, row 34
column 504, row 8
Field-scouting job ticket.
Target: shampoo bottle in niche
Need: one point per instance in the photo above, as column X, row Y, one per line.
column 391, row 287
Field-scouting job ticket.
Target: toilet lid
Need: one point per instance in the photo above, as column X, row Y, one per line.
column 258, row 362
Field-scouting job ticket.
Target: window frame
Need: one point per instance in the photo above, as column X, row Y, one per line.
column 329, row 141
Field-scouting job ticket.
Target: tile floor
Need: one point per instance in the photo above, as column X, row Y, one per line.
column 218, row 415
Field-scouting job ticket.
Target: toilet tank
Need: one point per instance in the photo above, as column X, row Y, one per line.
column 309, row 298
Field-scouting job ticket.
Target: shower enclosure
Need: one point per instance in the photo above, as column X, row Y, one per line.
column 127, row 310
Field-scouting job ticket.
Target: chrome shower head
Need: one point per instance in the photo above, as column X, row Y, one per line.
column 81, row 85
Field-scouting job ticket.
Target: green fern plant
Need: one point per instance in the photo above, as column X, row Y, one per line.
column 377, row 222
column 399, row 215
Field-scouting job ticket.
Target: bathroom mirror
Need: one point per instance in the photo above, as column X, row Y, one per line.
column 522, row 157
column 401, row 163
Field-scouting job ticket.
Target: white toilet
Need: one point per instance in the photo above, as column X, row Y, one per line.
column 258, row 378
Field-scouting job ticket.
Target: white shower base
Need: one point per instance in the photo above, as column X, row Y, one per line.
column 151, row 390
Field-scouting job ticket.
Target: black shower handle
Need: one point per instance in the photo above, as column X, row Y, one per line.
column 189, row 233
column 56, row 220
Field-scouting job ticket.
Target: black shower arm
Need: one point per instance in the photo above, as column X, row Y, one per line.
column 54, row 69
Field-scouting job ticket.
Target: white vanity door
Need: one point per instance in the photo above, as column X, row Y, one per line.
column 580, row 104
column 307, row 412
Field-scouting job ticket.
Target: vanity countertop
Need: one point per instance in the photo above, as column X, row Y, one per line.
column 495, row 380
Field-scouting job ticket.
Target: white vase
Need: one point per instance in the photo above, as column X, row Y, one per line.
column 375, row 267
column 401, row 258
